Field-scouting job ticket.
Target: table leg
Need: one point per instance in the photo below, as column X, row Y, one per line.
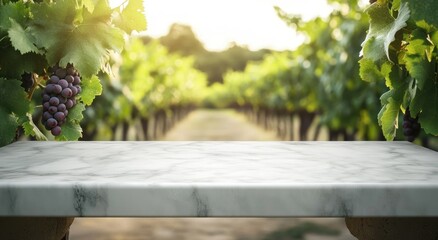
column 35, row 228
column 66, row 236
column 400, row 228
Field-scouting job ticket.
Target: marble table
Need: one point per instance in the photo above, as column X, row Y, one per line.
column 218, row 179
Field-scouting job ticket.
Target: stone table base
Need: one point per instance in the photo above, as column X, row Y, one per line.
column 34, row 228
column 384, row 228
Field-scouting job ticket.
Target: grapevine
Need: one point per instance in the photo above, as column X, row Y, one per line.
column 62, row 33
column 401, row 48
column 411, row 127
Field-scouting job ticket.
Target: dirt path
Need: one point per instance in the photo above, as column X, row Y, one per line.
column 211, row 125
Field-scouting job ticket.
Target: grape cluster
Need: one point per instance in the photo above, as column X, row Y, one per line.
column 59, row 96
column 27, row 81
column 411, row 126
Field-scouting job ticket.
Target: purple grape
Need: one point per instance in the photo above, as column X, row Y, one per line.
column 56, row 131
column 67, row 93
column 52, row 109
column 62, row 107
column 416, row 126
column 47, row 115
column 63, row 83
column 69, row 78
column 79, row 89
column 408, row 131
column 57, row 89
column 49, row 88
column 76, row 80
column 54, row 101
column 46, row 106
column 51, row 123
column 27, row 81
column 46, row 97
column 62, row 99
column 74, row 90
column 69, row 104
column 411, row 126
column 59, row 116
column 54, row 79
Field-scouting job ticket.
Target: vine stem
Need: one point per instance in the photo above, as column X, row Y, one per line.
column 35, row 85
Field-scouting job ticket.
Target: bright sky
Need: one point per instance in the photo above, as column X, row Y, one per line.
column 217, row 23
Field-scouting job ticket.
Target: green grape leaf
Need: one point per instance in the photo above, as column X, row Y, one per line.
column 13, row 106
column 429, row 116
column 393, row 75
column 16, row 11
column 13, row 97
column 423, row 11
column 392, row 100
column 101, row 12
column 30, row 129
column 8, row 127
column 132, row 17
column 75, row 113
column 87, row 47
column 22, row 40
column 434, row 38
column 13, row 64
column 89, row 5
column 71, row 36
column 424, row 103
column 71, row 130
column 91, row 88
column 395, row 5
column 383, row 28
column 52, row 22
column 60, row 11
column 388, row 118
column 418, row 64
column 369, row 71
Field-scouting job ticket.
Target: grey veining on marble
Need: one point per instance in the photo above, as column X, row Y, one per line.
column 206, row 179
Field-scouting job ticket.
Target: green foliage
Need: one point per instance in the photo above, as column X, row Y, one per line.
column 71, row 34
column 405, row 31
column 423, row 12
column 383, row 28
column 21, row 39
column 147, row 80
column 320, row 76
column 31, row 129
column 37, row 35
column 71, row 130
column 182, row 40
column 13, row 108
column 91, row 88
column 132, row 17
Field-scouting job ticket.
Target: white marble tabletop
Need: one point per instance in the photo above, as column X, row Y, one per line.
column 218, row 179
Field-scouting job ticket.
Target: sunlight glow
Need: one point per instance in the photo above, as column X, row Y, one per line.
column 246, row 22
column 217, row 23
